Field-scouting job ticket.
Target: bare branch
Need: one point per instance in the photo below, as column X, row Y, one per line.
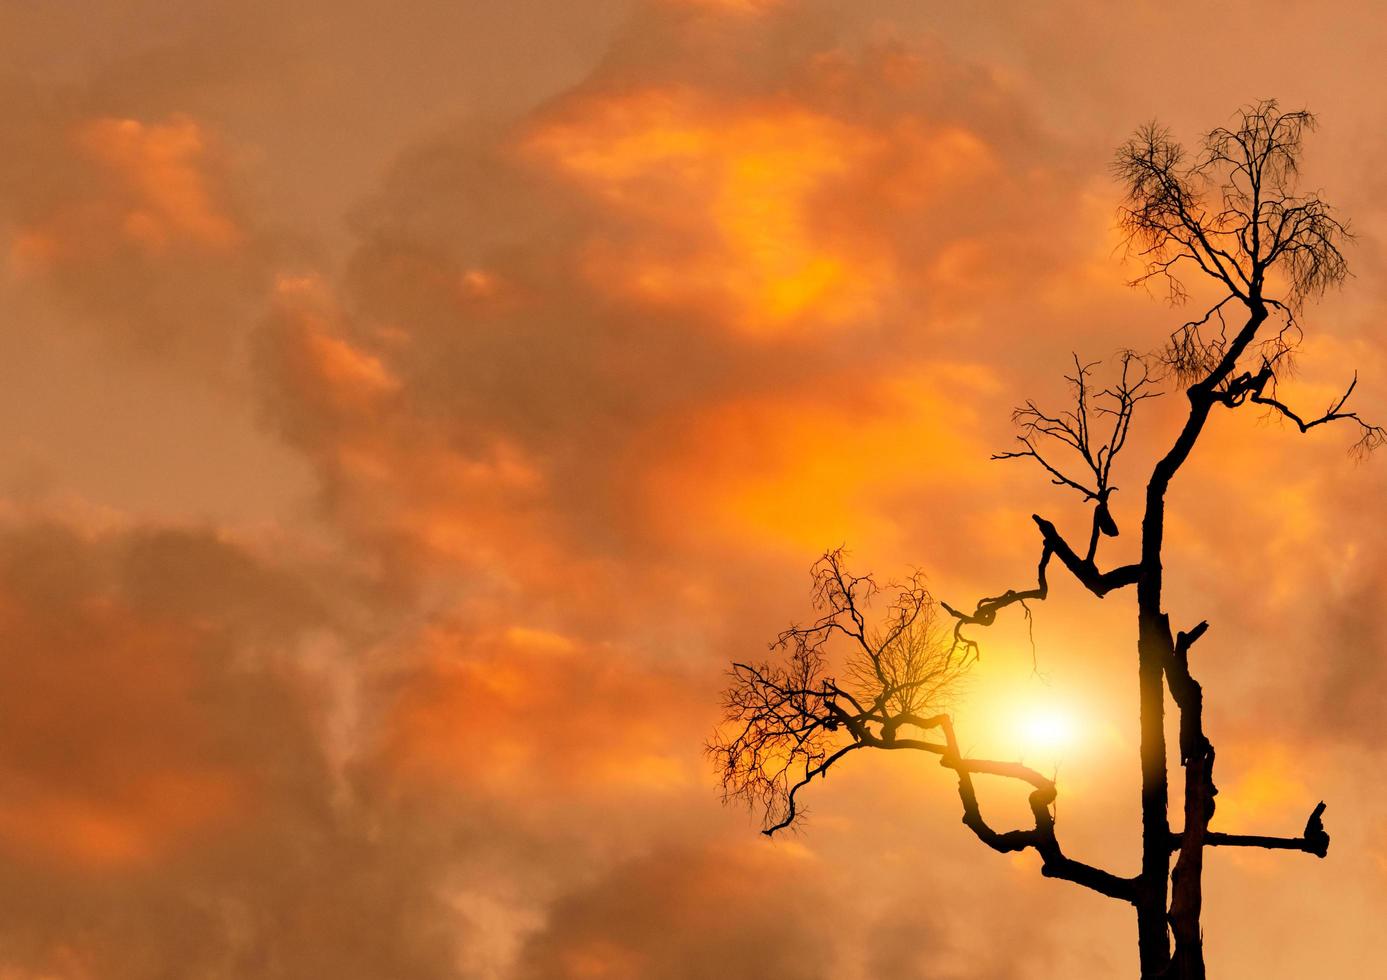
column 1372, row 436
column 1084, row 569
column 789, row 723
column 1083, row 434
column 1232, row 210
column 1313, row 841
column 788, row 720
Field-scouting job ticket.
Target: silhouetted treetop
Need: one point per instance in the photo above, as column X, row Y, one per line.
column 1233, row 213
column 1232, row 209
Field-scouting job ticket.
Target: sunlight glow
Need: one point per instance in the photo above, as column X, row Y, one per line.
column 1047, row 728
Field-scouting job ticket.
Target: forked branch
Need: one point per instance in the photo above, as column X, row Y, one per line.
column 1090, row 435
column 1370, row 437
column 1053, row 545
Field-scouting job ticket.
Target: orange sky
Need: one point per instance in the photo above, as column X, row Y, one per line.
column 407, row 415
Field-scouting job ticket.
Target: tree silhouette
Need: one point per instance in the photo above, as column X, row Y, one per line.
column 1231, row 216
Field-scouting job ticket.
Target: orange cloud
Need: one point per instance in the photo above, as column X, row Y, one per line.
column 817, row 466
column 394, row 474
column 730, row 6
column 518, row 707
column 520, row 404
column 103, row 764
column 150, row 187
column 742, row 207
column 135, row 826
column 731, row 914
column 345, row 378
column 161, row 165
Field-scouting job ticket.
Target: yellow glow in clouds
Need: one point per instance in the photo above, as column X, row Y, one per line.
column 725, row 204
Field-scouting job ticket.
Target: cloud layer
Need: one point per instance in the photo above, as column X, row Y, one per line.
column 403, row 455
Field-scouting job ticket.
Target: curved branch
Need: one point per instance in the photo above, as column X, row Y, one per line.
column 985, row 611
column 792, row 804
column 1084, row 569
column 1054, row 862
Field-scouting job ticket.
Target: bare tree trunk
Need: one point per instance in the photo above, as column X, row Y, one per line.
column 1162, row 660
column 1186, row 902
column 1155, row 654
column 1197, row 755
column 1152, row 938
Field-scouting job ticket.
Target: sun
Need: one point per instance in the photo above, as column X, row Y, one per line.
column 1047, row 728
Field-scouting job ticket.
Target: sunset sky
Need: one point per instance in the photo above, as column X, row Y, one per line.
column 408, row 411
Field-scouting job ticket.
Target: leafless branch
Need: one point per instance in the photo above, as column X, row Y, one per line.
column 1313, row 841
column 1091, row 434
column 789, row 722
column 1371, row 436
column 1233, row 212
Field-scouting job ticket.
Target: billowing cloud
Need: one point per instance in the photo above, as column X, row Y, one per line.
column 165, row 763
column 536, row 712
column 565, row 366
column 151, row 192
column 131, row 223
column 687, row 914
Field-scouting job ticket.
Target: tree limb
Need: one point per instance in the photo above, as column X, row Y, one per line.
column 1373, row 436
column 1313, row 841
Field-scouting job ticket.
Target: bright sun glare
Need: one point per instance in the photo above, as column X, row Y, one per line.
column 1047, row 728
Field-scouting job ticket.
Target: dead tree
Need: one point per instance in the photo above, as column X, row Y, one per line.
column 1229, row 215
